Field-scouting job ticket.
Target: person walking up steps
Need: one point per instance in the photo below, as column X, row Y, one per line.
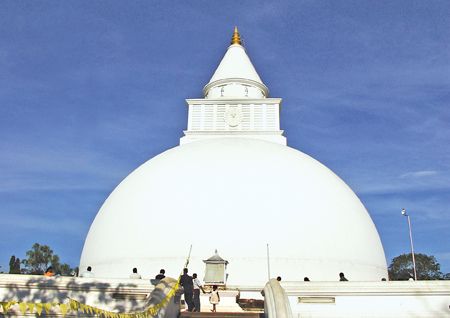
column 197, row 287
column 188, row 286
column 214, row 298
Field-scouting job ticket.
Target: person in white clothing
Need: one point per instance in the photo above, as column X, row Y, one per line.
column 135, row 274
column 197, row 287
column 88, row 273
column 214, row 298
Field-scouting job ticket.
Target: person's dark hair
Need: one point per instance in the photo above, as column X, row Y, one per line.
column 279, row 278
column 185, row 270
column 49, row 269
column 194, row 275
column 306, row 279
column 383, row 279
column 341, row 274
column 215, row 287
column 135, row 270
column 162, row 271
column 89, row 268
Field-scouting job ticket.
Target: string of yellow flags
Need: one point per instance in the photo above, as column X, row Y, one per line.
column 32, row 306
column 74, row 306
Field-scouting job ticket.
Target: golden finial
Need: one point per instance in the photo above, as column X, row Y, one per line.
column 236, row 39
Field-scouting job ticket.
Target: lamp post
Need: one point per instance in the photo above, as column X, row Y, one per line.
column 412, row 247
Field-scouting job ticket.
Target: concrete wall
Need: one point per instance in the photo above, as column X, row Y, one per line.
column 112, row 294
column 369, row 299
column 307, row 299
column 118, row 295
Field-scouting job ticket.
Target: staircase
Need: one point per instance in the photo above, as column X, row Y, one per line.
column 221, row 315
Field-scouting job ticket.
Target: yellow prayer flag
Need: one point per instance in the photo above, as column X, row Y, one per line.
column 72, row 304
column 31, row 307
column 76, row 305
column 7, row 305
column 63, row 308
column 3, row 307
column 47, row 307
column 23, row 307
column 38, row 308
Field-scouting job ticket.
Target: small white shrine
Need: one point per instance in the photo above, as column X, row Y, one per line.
column 216, row 270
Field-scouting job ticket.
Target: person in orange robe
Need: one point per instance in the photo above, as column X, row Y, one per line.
column 49, row 271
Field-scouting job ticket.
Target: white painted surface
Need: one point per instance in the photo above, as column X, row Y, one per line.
column 352, row 299
column 276, row 302
column 227, row 302
column 230, row 192
column 257, row 118
column 94, row 292
column 235, row 195
column 370, row 299
column 234, row 74
column 236, row 64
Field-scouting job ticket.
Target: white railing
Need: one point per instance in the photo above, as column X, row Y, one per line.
column 276, row 302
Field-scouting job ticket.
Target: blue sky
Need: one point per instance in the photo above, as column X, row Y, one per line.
column 90, row 90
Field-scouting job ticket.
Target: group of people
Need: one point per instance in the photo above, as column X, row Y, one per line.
column 192, row 287
column 306, row 279
column 87, row 273
column 190, row 284
column 134, row 274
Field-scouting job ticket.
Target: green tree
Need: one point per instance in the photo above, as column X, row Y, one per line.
column 40, row 257
column 427, row 267
column 14, row 265
column 65, row 270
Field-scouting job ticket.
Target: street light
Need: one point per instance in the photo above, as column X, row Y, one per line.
column 412, row 247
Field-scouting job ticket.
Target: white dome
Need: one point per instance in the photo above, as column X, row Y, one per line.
column 235, row 195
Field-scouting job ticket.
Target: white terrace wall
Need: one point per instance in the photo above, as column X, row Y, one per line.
column 118, row 295
column 307, row 299
column 111, row 294
column 369, row 299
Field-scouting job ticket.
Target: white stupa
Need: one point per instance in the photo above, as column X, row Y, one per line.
column 233, row 185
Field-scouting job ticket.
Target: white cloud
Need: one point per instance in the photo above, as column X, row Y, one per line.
column 418, row 174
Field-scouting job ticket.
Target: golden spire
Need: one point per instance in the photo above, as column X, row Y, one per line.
column 236, row 39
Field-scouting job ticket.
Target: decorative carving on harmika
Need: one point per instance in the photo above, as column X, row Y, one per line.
column 233, row 116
